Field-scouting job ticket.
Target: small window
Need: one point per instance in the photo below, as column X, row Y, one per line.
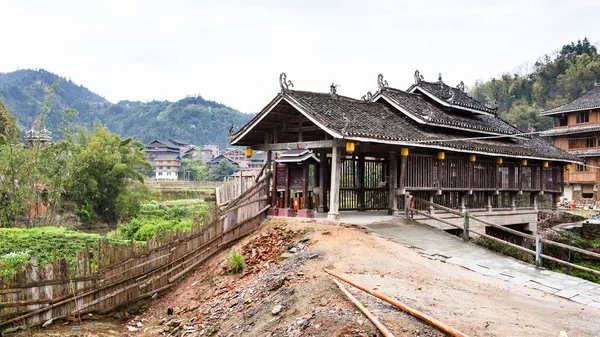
column 168, row 167
column 583, row 117
column 590, row 142
column 587, row 191
column 560, row 121
column 160, row 173
column 581, row 168
column 160, row 167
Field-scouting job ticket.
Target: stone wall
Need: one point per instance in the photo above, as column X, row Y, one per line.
column 580, row 200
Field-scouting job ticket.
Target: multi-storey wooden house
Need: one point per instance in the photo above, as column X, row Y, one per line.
column 577, row 130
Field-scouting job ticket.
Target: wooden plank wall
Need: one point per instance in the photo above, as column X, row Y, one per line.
column 126, row 274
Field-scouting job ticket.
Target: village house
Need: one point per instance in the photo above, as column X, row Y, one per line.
column 432, row 140
column 577, row 130
column 165, row 157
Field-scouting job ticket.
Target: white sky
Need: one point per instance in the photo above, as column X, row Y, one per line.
column 233, row 51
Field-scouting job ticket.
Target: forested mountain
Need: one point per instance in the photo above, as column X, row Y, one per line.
column 553, row 80
column 193, row 119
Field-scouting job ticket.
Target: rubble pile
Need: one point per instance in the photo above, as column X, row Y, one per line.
column 266, row 248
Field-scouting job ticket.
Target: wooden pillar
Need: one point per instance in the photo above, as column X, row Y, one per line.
column 286, row 193
column 392, row 199
column 401, row 183
column 361, row 183
column 489, row 201
column 274, row 201
column 431, row 208
column 555, row 201
column 322, row 185
column 511, row 176
column 269, row 168
column 542, row 182
column 520, row 178
column 533, row 174
column 513, row 201
column 334, row 192
column 305, row 198
column 533, row 200
column 463, row 206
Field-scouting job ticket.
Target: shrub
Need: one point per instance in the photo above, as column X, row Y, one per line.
column 11, row 263
column 235, row 261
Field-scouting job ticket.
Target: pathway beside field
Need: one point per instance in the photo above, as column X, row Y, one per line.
column 439, row 245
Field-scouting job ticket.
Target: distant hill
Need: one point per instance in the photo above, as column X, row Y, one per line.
column 193, row 119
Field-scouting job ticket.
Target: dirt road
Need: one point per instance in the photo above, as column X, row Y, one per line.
column 291, row 296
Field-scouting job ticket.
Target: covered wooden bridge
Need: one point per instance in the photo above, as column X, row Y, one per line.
column 431, row 140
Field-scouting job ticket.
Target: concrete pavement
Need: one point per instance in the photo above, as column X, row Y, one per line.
column 437, row 244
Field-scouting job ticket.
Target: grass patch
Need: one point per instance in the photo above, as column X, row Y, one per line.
column 41, row 243
column 595, row 243
column 157, row 218
column 504, row 249
column 235, row 261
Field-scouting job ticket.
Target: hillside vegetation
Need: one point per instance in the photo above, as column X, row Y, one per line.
column 553, row 80
column 193, row 119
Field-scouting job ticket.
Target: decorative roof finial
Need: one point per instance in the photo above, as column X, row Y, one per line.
column 368, row 98
column 451, row 98
column 461, row 86
column 440, row 78
column 284, row 83
column 381, row 82
column 418, row 77
column 333, row 90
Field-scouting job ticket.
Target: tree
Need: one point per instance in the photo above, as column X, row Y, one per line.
column 8, row 127
column 225, row 169
column 194, row 169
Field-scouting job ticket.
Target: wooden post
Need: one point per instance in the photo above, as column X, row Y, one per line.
column 532, row 180
column 555, row 201
column 361, row 183
column 392, row 199
column 286, row 195
column 513, row 201
column 407, row 200
column 431, row 208
column 401, row 183
column 334, row 192
column 269, row 168
column 533, row 200
column 538, row 250
column 304, row 204
column 463, row 207
column 322, row 176
column 511, row 176
column 489, row 201
column 466, row 227
column 520, row 177
column 274, row 201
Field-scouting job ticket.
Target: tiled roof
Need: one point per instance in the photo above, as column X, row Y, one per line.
column 296, row 156
column 586, row 153
column 432, row 114
column 589, row 100
column 453, row 96
column 570, row 130
column 378, row 122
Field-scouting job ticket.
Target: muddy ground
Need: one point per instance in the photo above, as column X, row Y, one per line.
column 283, row 293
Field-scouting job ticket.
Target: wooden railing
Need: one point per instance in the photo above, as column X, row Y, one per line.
column 467, row 231
column 127, row 273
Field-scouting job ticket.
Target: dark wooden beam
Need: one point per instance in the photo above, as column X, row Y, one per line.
column 318, row 144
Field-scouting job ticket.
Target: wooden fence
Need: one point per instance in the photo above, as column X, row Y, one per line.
column 538, row 253
column 126, row 274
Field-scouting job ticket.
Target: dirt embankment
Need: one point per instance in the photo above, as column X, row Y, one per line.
column 284, row 292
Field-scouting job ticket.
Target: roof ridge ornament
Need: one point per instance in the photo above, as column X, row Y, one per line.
column 461, row 86
column 381, row 82
column 418, row 77
column 368, row 98
column 333, row 90
column 284, row 83
column 451, row 98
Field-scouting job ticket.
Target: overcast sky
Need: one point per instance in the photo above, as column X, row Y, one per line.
column 233, row 51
